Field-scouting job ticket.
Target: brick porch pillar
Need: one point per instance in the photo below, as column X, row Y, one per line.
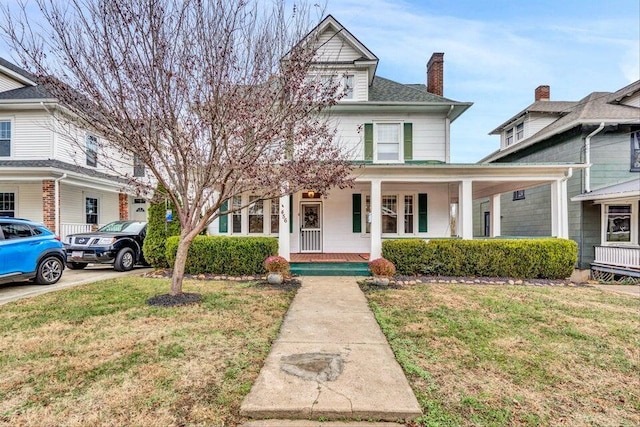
column 49, row 204
column 123, row 202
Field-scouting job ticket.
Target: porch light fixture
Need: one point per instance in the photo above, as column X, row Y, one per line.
column 311, row 194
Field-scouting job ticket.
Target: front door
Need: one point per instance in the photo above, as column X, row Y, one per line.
column 311, row 227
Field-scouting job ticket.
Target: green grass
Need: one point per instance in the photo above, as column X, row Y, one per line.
column 524, row 356
column 99, row 355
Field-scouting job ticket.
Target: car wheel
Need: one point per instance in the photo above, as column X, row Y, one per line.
column 49, row 271
column 77, row 265
column 124, row 260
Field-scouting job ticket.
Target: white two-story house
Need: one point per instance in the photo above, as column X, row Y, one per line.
column 399, row 137
column 52, row 174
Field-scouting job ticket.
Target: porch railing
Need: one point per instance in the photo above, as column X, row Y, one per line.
column 618, row 256
column 73, row 228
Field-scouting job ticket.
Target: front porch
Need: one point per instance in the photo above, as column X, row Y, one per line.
column 614, row 262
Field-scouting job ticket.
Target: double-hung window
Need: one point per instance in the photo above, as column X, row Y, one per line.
column 236, row 220
column 618, row 223
column 5, row 138
column 8, row 204
column 91, row 150
column 139, row 169
column 635, row 151
column 387, row 142
column 275, row 216
column 91, row 210
column 256, row 215
column 509, row 137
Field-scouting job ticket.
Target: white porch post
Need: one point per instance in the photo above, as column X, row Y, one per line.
column 376, row 219
column 465, row 215
column 284, row 237
column 559, row 209
column 495, row 230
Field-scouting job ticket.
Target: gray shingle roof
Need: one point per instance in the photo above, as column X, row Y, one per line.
column 16, row 69
column 385, row 90
column 27, row 92
column 57, row 164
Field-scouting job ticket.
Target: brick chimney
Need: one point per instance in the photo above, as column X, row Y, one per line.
column 435, row 74
column 543, row 93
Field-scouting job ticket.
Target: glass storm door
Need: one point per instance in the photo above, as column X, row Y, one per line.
column 311, row 227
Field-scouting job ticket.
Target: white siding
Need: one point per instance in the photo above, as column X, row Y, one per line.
column 333, row 48
column 428, row 133
column 535, row 123
column 28, row 202
column 72, row 204
column 31, row 136
column 7, row 83
column 361, row 85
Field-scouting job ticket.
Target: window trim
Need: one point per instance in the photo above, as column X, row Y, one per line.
column 400, row 125
column 512, row 135
column 400, row 214
column 244, row 214
column 88, row 150
column 15, row 201
column 634, row 154
column 633, row 229
column 11, row 134
column 98, row 204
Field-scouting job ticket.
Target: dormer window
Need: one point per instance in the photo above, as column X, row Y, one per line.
column 347, row 83
column 342, row 82
column 509, row 137
column 514, row 134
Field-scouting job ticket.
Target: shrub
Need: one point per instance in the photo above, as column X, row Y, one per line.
column 158, row 230
column 277, row 264
column 522, row 258
column 234, row 256
column 382, row 267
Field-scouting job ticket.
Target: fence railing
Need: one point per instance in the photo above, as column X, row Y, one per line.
column 618, row 256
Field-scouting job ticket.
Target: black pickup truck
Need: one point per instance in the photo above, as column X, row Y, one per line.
column 118, row 243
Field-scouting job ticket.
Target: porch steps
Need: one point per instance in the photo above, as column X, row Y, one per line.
column 330, row 268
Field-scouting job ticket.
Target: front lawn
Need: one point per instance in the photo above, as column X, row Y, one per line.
column 524, row 356
column 99, row 355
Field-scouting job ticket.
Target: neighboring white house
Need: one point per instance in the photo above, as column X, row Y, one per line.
column 399, row 134
column 49, row 174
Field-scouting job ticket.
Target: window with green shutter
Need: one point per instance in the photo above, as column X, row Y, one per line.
column 408, row 141
column 422, row 213
column 357, row 212
column 368, row 141
column 223, row 220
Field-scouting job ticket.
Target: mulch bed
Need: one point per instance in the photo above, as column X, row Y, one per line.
column 167, row 300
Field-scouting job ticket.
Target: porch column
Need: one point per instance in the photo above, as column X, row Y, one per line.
column 495, row 230
column 465, row 214
column 376, row 219
column 284, row 237
column 559, row 209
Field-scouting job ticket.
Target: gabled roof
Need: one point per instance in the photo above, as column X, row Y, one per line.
column 25, row 93
column 366, row 58
column 593, row 109
column 17, row 73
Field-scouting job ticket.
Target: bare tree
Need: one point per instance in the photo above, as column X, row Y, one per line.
column 213, row 96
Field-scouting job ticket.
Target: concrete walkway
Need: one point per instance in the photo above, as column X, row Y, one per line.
column 331, row 361
column 621, row 289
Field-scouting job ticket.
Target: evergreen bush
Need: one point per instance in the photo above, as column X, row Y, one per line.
column 158, row 230
column 519, row 258
column 234, row 256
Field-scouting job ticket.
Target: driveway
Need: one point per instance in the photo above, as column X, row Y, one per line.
column 15, row 291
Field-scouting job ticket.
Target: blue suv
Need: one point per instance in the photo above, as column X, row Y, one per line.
column 29, row 250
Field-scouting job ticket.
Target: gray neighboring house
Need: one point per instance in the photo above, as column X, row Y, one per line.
column 602, row 130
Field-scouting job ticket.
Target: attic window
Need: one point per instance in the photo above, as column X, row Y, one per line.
column 635, row 151
column 508, row 139
column 519, row 131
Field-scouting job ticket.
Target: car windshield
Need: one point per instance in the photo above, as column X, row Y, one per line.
column 123, row 227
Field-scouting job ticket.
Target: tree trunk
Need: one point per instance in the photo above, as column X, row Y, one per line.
column 179, row 265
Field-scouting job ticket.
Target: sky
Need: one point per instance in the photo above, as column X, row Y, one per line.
column 496, row 52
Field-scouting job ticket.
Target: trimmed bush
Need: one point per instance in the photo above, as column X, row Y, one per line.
column 521, row 258
column 234, row 256
column 158, row 230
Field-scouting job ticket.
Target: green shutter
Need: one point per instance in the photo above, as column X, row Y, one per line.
column 223, row 220
column 368, row 141
column 290, row 213
column 408, row 141
column 357, row 212
column 422, row 213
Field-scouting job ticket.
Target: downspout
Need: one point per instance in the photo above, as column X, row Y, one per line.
column 447, row 136
column 587, row 158
column 56, row 187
